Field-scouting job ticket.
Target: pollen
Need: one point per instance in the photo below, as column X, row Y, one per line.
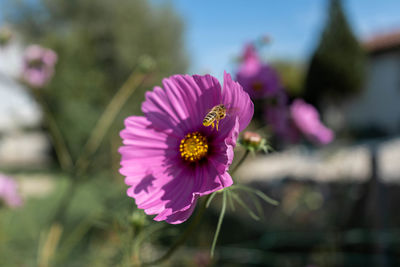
column 193, row 147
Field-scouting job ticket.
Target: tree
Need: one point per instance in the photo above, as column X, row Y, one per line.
column 291, row 74
column 336, row 69
column 98, row 43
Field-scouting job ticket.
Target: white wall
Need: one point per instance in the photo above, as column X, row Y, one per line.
column 17, row 108
column 379, row 103
column 17, row 111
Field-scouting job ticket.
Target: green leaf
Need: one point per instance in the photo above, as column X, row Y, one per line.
column 210, row 199
column 241, row 203
column 257, row 204
column 267, row 198
column 230, row 201
column 257, row 192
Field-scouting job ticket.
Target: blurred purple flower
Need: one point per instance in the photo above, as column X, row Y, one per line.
column 169, row 158
column 306, row 119
column 277, row 115
column 9, row 192
column 258, row 79
column 275, row 112
column 39, row 65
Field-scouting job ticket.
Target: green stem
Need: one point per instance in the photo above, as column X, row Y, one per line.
column 64, row 202
column 196, row 221
column 97, row 136
column 234, row 169
column 73, row 238
column 220, row 219
column 182, row 239
column 106, row 119
column 60, row 147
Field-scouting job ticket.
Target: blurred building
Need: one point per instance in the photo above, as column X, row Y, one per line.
column 377, row 108
column 339, row 163
column 21, row 143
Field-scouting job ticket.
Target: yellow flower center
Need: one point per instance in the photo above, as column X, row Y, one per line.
column 193, row 147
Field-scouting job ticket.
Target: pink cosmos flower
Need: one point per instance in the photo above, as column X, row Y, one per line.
column 257, row 78
column 9, row 192
column 169, row 157
column 38, row 66
column 307, row 120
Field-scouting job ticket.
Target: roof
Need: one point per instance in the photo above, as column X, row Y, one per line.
column 383, row 42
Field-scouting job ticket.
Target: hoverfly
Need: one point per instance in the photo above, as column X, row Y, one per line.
column 216, row 114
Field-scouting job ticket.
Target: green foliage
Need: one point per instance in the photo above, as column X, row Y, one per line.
column 99, row 43
column 229, row 197
column 336, row 69
column 292, row 76
column 96, row 210
column 255, row 192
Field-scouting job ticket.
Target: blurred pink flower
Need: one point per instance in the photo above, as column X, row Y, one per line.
column 250, row 54
column 39, row 65
column 169, row 158
column 9, row 192
column 306, row 119
column 257, row 78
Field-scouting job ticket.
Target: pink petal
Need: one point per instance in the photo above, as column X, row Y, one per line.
column 225, row 142
column 183, row 102
column 181, row 216
column 213, row 180
column 237, row 101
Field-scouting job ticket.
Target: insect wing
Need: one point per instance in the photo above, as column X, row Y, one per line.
column 231, row 111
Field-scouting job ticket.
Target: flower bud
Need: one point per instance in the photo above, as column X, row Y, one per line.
column 146, row 63
column 252, row 138
column 254, row 142
column 138, row 219
column 265, row 39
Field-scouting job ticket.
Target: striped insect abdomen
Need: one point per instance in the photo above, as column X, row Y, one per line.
column 209, row 118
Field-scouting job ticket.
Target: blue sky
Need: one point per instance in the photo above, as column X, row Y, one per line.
column 217, row 29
